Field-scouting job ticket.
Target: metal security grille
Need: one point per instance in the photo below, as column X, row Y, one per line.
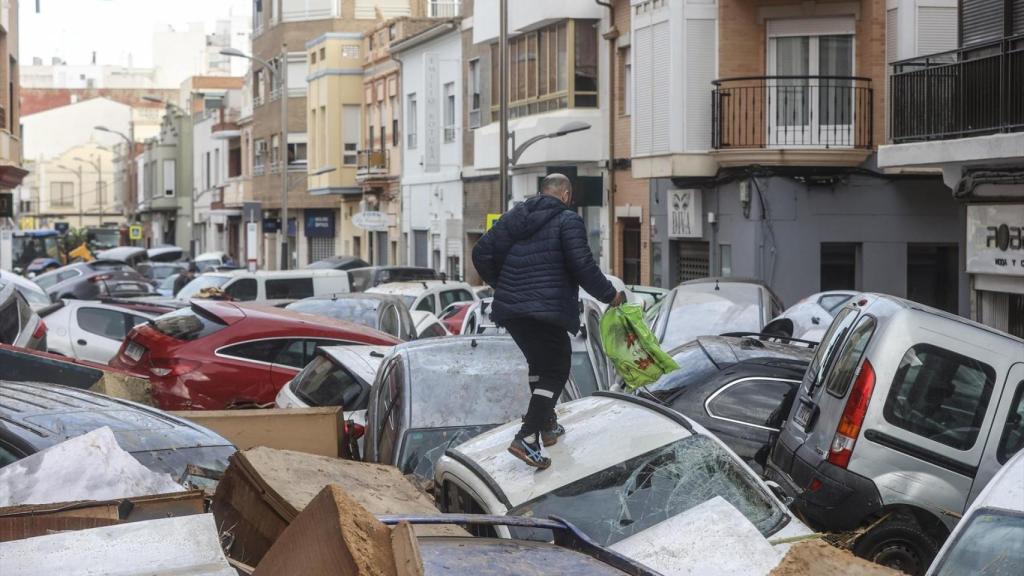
column 320, row 248
column 692, row 261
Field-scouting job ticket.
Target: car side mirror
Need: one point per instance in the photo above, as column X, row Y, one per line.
column 779, row 492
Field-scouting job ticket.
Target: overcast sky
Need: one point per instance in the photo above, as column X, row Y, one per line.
column 73, row 29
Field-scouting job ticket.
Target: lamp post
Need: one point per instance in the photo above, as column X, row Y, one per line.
column 503, row 135
column 77, row 171
column 130, row 141
column 280, row 72
column 96, row 164
column 517, row 151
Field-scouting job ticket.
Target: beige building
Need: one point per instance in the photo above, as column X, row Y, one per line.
column 11, row 172
column 74, row 187
column 281, row 29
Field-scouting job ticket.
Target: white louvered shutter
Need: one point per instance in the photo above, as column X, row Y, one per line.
column 643, row 91
column 700, row 71
column 661, row 104
column 936, row 29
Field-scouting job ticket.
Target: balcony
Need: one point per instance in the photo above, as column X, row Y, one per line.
column 443, row 8
column 236, row 191
column 967, row 92
column 372, row 163
column 792, row 120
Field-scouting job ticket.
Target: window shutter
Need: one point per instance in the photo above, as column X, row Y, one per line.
column 982, row 21
column 367, row 9
column 892, row 35
column 661, row 103
column 1017, row 17
column 643, row 91
column 700, row 72
column 936, row 29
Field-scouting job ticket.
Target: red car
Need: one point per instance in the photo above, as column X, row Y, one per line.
column 453, row 316
column 215, row 355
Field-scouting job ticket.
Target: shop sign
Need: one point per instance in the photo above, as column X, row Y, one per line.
column 684, row 214
column 271, row 225
column 319, row 224
column 370, row 221
column 995, row 239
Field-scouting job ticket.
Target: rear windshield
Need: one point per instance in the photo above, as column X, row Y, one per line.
column 733, row 308
column 187, row 324
column 199, row 283
column 351, row 310
column 324, row 383
column 632, row 496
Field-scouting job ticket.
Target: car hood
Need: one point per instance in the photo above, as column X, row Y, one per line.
column 728, row 544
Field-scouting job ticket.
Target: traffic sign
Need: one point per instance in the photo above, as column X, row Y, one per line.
column 135, row 232
column 491, row 219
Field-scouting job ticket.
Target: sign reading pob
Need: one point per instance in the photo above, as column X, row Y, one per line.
column 995, row 239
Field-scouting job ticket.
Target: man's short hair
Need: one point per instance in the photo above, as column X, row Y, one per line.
column 555, row 183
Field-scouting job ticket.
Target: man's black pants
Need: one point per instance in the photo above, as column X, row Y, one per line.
column 549, row 355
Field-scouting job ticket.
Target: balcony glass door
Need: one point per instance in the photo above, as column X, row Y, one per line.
column 810, row 94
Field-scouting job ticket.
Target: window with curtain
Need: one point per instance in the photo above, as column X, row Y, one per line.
column 449, row 112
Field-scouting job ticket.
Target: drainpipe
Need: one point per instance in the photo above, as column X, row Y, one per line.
column 403, row 256
column 610, row 36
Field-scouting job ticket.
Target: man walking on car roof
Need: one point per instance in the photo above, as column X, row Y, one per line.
column 536, row 257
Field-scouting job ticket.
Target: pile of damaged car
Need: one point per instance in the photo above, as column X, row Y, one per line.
column 326, row 435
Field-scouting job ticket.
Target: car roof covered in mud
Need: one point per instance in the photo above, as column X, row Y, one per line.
column 601, row 430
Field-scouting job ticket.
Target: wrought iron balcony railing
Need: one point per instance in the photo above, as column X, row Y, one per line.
column 965, row 92
column 818, row 112
column 372, row 163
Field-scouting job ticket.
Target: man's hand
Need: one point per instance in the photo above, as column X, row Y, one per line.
column 620, row 298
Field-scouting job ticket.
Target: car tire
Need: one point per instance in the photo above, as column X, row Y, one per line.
column 898, row 543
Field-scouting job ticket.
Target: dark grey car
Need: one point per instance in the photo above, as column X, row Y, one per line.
column 91, row 280
column 37, row 416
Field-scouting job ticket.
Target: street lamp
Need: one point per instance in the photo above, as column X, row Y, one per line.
column 81, row 192
column 280, row 74
column 98, row 166
column 567, row 128
column 130, row 155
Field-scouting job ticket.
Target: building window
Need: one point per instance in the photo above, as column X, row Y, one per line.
column 840, row 266
column 350, row 133
column 297, row 153
column 275, row 152
column 350, row 51
column 474, row 93
column 258, row 87
column 62, row 194
column 449, row 112
column 325, row 151
column 410, row 121
column 539, row 69
column 394, row 120
column 627, row 84
column 259, row 159
column 933, row 272
column 323, row 53
column 206, row 172
column 170, row 172
column 312, row 57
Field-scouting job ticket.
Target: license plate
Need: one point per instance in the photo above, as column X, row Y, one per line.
column 135, row 351
column 803, row 414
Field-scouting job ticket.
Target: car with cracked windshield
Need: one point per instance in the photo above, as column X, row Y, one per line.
column 632, row 475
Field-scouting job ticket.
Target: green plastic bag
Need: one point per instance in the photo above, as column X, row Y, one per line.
column 632, row 347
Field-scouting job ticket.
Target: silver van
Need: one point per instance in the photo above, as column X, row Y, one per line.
column 903, row 416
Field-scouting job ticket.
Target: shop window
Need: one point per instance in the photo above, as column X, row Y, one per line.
column 840, row 266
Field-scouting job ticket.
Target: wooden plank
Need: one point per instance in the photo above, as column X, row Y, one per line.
column 310, row 430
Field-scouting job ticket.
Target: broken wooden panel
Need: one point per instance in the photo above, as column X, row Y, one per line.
column 311, row 430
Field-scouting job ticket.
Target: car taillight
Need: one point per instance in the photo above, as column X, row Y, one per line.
column 853, row 416
column 172, row 367
column 353, row 430
column 40, row 330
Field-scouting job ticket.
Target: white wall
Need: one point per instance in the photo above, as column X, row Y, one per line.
column 433, row 200
column 922, row 27
column 179, row 54
column 92, row 76
column 50, row 133
column 527, row 14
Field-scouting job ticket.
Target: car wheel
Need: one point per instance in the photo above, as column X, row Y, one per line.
column 898, row 543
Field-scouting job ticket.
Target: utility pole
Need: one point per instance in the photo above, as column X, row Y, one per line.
column 282, row 82
column 98, row 166
column 506, row 191
column 81, row 193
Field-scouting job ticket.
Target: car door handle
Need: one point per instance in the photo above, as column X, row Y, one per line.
column 82, row 342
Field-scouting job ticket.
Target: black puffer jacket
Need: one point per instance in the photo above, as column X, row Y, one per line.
column 536, row 257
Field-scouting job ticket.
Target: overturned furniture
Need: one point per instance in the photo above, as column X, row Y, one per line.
column 264, row 490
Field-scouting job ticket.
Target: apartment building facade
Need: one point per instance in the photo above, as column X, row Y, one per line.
column 281, row 29
column 217, row 177
column 431, row 181
column 960, row 112
column 558, row 77
column 74, row 187
column 165, row 193
column 761, row 152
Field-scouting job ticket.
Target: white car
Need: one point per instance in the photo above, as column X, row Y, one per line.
column 428, row 295
column 91, row 330
column 427, row 325
column 264, row 285
column 813, row 315
column 208, row 260
column 338, row 376
column 33, row 293
column 989, row 539
column 634, row 476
